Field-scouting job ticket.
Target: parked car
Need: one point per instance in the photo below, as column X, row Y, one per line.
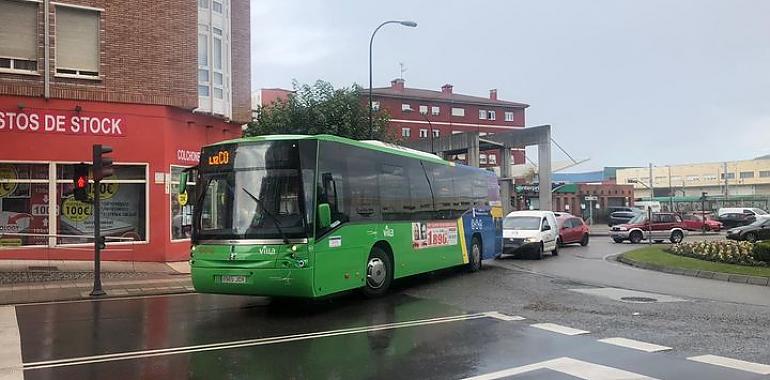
column 622, row 217
column 759, row 230
column 736, row 219
column 741, row 210
column 701, row 221
column 572, row 230
column 663, row 226
column 532, row 232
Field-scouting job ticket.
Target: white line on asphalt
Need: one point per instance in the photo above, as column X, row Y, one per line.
column 635, row 344
column 110, row 299
column 559, row 329
column 569, row 366
column 244, row 343
column 10, row 345
column 762, row 369
column 503, row 317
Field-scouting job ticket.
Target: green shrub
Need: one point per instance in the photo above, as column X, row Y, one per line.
column 761, row 251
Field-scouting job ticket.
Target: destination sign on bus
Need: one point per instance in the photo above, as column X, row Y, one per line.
column 218, row 156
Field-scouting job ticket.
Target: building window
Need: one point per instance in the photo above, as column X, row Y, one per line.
column 435, row 110
column 456, row 132
column 423, row 133
column 375, row 106
column 18, row 36
column 745, row 175
column 406, row 107
column 423, row 110
column 483, row 159
column 77, row 42
column 764, row 173
column 482, row 114
column 729, row 176
column 709, row 177
column 509, row 116
column 492, row 159
column 436, row 133
column 214, row 56
column 492, row 115
column 406, row 132
column 181, row 216
column 216, row 6
column 204, row 79
column 693, row 178
column 459, row 112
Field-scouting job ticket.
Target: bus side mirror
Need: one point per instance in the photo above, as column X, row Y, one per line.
column 324, row 216
column 183, row 182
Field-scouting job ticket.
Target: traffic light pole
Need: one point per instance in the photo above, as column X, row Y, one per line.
column 97, row 291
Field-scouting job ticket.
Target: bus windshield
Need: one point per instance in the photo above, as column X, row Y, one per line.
column 257, row 194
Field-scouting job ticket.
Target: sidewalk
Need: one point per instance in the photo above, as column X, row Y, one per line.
column 599, row 230
column 26, row 281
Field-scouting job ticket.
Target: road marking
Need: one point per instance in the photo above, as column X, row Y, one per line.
column 10, row 345
column 559, row 329
column 569, row 366
column 619, row 294
column 762, row 369
column 635, row 344
column 244, row 343
column 503, row 317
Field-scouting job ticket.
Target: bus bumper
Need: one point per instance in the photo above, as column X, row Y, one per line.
column 295, row 282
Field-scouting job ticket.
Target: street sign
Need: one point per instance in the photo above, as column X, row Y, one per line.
column 592, row 198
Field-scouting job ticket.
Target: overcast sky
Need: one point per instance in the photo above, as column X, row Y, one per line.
column 622, row 82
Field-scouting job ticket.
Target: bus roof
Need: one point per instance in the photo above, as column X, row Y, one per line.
column 367, row 144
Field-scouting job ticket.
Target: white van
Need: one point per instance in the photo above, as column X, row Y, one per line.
column 758, row 212
column 532, row 231
column 644, row 205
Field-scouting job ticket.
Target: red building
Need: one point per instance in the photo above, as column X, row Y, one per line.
column 153, row 80
column 418, row 113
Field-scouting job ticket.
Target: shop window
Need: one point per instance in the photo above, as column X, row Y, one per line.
column 23, row 204
column 181, row 215
column 18, row 36
column 123, row 204
column 77, row 42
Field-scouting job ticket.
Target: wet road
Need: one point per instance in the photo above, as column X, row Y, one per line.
column 501, row 323
column 211, row 337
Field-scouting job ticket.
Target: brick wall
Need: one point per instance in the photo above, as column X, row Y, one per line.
column 148, row 55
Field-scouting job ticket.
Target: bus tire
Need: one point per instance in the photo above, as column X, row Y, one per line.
column 474, row 257
column 379, row 273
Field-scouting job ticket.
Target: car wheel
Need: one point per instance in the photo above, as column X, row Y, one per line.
column 676, row 237
column 555, row 251
column 539, row 252
column 635, row 237
column 750, row 237
column 584, row 241
column 474, row 259
column 617, row 240
column 379, row 273
column 559, row 242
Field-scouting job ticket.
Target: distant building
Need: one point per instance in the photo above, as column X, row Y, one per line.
column 267, row 96
column 734, row 183
column 421, row 113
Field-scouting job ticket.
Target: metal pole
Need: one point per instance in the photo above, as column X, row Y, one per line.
column 670, row 190
column 97, row 291
column 652, row 186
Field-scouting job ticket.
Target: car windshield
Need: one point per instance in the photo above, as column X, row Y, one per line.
column 638, row 219
column 522, row 223
column 759, row 211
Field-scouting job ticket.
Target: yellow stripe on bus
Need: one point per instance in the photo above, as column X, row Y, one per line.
column 461, row 232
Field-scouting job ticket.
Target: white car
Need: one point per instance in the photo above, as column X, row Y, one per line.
column 533, row 232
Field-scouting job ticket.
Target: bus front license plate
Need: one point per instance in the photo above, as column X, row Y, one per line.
column 227, row 279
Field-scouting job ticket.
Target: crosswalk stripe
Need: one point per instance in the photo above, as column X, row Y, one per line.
column 10, row 345
column 503, row 317
column 635, row 344
column 567, row 366
column 762, row 369
column 559, row 329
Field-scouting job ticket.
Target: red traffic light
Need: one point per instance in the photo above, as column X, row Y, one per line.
column 82, row 182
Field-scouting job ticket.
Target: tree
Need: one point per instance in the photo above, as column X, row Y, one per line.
column 321, row 109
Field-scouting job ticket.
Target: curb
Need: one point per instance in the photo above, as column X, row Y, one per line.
column 720, row 276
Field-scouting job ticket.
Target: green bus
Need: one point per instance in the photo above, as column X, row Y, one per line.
column 309, row 216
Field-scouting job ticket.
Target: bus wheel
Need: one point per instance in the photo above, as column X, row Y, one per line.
column 379, row 273
column 474, row 261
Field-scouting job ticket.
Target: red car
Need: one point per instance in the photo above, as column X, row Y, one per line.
column 572, row 230
column 664, row 225
column 699, row 220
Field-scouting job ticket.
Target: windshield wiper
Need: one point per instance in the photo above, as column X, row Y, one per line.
column 268, row 213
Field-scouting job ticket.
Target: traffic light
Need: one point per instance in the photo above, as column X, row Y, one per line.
column 102, row 163
column 80, row 181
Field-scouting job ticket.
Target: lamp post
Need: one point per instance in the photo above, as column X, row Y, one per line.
column 410, row 24
column 649, row 207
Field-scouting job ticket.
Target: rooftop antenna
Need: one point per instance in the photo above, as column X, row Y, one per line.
column 402, row 69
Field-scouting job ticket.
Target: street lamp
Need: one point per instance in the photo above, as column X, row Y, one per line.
column 410, row 24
